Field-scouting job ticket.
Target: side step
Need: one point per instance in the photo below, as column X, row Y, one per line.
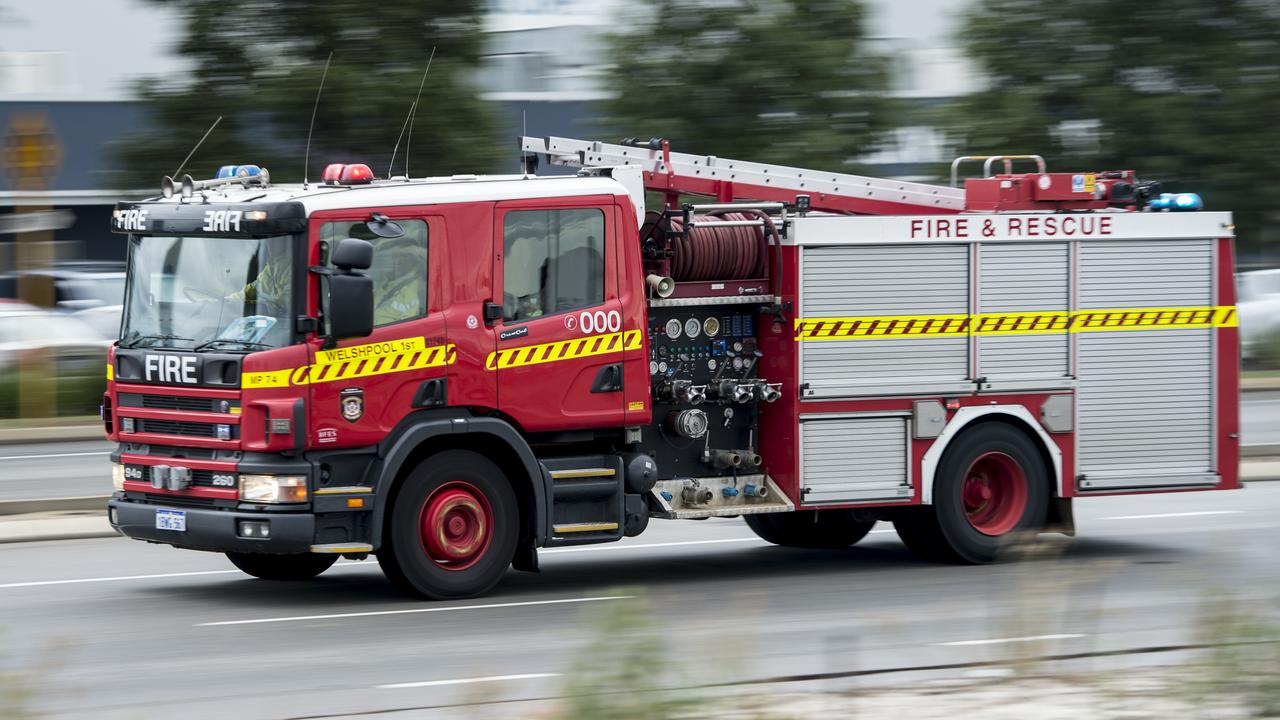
column 588, row 502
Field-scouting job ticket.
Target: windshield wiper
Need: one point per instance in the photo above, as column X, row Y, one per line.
column 242, row 343
column 134, row 342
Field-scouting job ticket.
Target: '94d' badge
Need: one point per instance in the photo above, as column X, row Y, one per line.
column 352, row 404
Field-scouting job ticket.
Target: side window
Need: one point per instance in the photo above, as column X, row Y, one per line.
column 399, row 269
column 554, row 262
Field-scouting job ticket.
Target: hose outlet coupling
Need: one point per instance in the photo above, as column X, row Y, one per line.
column 756, row 491
column 724, row 459
column 768, row 392
column 694, row 494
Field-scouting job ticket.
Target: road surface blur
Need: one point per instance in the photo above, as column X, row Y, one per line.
column 136, row 631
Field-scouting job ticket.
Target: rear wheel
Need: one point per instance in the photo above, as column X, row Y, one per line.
column 991, row 486
column 302, row 566
column 452, row 530
column 819, row 529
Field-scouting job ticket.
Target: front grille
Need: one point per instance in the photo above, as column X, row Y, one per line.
column 181, row 501
column 176, row 402
column 171, row 451
column 178, row 427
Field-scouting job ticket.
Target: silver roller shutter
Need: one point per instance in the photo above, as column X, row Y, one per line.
column 888, row 280
column 854, row 458
column 1024, row 277
column 1145, row 397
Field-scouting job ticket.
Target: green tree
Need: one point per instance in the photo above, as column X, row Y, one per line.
column 779, row 81
column 1183, row 91
column 258, row 63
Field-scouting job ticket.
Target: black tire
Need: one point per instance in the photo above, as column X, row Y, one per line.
column 945, row 531
column 404, row 556
column 302, row 566
column 814, row 529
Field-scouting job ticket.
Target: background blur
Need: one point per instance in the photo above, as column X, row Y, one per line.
column 99, row 100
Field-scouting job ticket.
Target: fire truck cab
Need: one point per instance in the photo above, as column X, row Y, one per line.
column 450, row 373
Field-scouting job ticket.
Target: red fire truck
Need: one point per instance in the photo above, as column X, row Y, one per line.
column 450, row 373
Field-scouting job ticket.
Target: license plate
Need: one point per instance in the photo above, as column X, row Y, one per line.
column 171, row 520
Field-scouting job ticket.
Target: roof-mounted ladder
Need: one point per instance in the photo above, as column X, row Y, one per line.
column 728, row 180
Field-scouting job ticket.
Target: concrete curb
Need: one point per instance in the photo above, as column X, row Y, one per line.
column 91, row 503
column 36, row 527
column 51, row 433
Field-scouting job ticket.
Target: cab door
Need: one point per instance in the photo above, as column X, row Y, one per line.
column 560, row 336
column 361, row 388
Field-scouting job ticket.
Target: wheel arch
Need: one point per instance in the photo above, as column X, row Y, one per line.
column 965, row 418
column 424, row 434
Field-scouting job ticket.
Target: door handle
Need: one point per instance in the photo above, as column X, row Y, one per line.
column 432, row 393
column 608, row 379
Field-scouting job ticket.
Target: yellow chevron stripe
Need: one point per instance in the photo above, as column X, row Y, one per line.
column 1014, row 323
column 586, row 346
column 332, row 366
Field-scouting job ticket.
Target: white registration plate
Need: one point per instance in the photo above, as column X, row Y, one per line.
column 171, row 520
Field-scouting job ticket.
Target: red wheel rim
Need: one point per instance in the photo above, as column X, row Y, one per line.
column 994, row 493
column 455, row 525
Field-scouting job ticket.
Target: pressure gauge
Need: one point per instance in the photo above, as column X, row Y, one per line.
column 711, row 364
column 673, row 329
column 737, row 347
column 711, row 326
column 692, row 327
column 653, row 367
column 738, row 363
column 662, row 367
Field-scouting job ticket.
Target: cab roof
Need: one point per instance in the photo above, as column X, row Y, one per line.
column 316, row 197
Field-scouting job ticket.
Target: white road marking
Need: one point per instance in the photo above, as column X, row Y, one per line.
column 467, row 681
column 997, row 641
column 1174, row 515
column 39, row 583
column 54, row 455
column 414, row 611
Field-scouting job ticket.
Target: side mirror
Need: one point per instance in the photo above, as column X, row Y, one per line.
column 353, row 254
column 350, row 312
column 349, row 294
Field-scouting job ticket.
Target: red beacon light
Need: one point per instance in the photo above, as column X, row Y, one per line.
column 332, row 174
column 357, row 174
column 354, row 174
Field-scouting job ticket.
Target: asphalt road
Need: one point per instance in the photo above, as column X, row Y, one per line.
column 114, row 628
column 50, row 470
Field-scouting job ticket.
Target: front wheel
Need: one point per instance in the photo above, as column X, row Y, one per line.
column 300, row 566
column 453, row 528
column 815, row 529
column 990, row 487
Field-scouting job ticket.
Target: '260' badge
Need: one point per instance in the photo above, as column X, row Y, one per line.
column 352, row 404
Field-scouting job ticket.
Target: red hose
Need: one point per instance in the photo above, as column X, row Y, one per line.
column 708, row 252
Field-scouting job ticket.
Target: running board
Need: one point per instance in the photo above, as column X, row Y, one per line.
column 342, row 548
column 696, row 498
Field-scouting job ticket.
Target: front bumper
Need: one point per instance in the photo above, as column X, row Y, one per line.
column 214, row 530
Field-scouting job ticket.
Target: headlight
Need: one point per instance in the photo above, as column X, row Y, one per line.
column 117, row 476
column 273, row 488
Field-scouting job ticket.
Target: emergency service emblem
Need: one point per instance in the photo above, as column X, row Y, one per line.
column 352, row 404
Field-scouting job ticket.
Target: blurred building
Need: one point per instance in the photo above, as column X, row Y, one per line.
column 65, row 93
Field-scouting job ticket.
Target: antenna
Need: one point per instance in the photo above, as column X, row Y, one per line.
column 392, row 164
column 306, row 159
column 413, row 111
column 197, row 147
column 524, row 132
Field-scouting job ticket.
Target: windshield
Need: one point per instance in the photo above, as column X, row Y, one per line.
column 205, row 292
